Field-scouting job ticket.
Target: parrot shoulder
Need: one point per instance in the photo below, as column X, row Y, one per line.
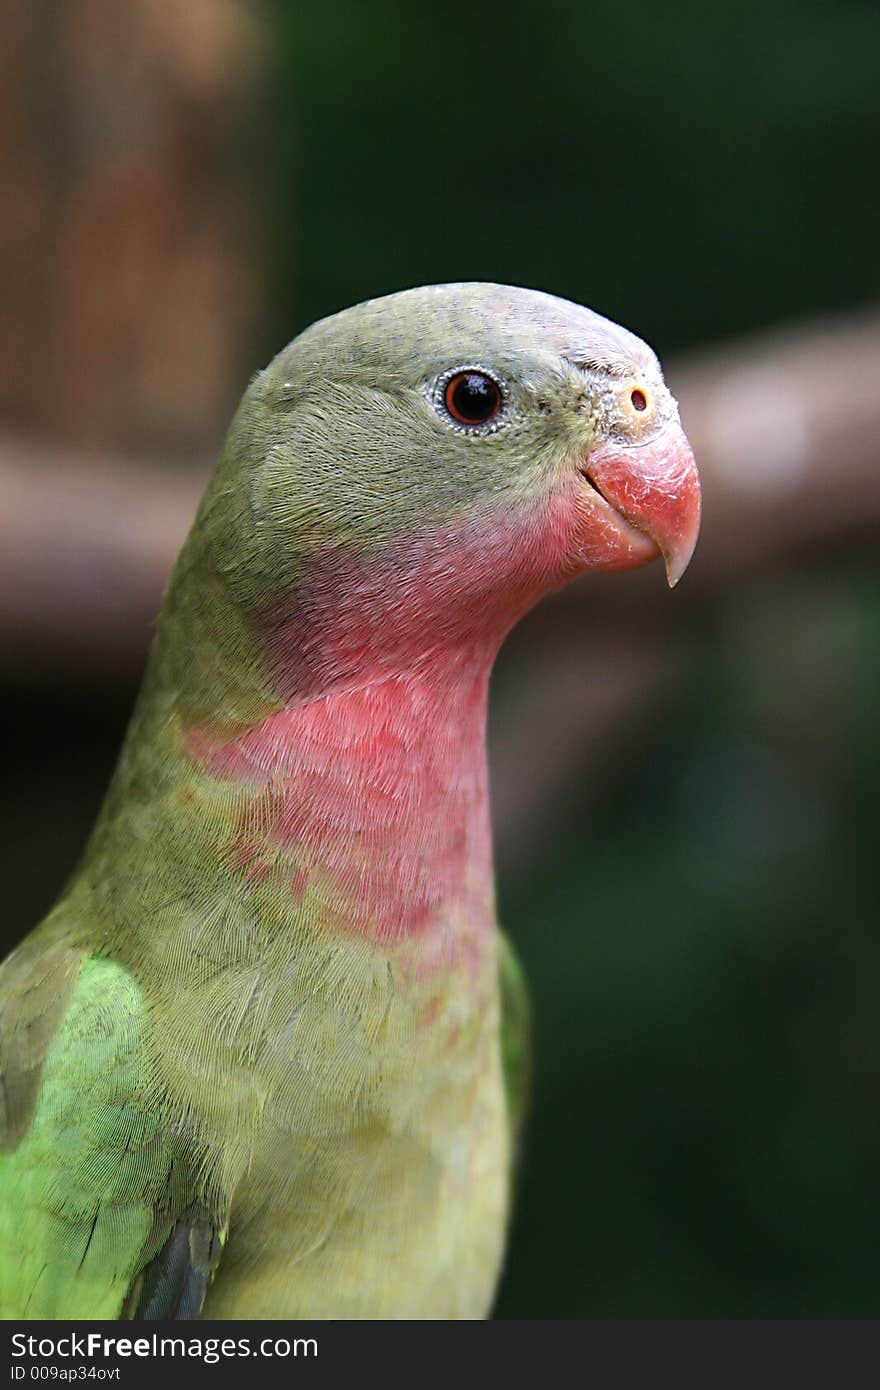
column 36, row 983
column 106, row 1211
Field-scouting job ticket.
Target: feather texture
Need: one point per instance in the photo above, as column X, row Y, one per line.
column 254, row 1063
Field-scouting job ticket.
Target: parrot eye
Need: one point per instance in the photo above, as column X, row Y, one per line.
column 471, row 396
column 639, row 400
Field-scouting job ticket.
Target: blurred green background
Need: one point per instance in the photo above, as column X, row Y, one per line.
column 692, row 169
column 698, row 916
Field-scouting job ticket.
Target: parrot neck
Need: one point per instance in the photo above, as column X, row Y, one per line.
column 432, row 603
column 327, row 745
column 373, row 799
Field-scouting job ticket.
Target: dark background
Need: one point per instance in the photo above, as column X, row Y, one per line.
column 687, row 840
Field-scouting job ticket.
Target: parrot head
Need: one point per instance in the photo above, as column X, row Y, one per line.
column 421, row 468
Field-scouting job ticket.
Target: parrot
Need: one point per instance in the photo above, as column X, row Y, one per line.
column 268, row 1055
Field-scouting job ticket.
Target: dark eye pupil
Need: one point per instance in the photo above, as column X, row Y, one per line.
column 473, row 397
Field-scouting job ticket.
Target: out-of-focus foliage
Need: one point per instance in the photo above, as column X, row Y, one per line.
column 689, row 169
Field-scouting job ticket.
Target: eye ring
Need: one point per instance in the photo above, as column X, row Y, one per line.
column 471, row 397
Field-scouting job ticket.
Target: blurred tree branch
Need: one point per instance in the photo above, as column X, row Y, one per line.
column 785, row 428
column 86, row 544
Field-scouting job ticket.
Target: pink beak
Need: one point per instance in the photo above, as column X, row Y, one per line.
column 656, row 488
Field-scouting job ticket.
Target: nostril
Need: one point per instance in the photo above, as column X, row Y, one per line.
column 639, row 399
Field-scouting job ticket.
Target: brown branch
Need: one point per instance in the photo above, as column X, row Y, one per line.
column 86, row 545
column 785, row 428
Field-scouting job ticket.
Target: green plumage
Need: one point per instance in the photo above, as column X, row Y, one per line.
column 81, row 1189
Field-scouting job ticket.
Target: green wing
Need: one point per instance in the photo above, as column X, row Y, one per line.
column 98, row 1217
column 516, row 1038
